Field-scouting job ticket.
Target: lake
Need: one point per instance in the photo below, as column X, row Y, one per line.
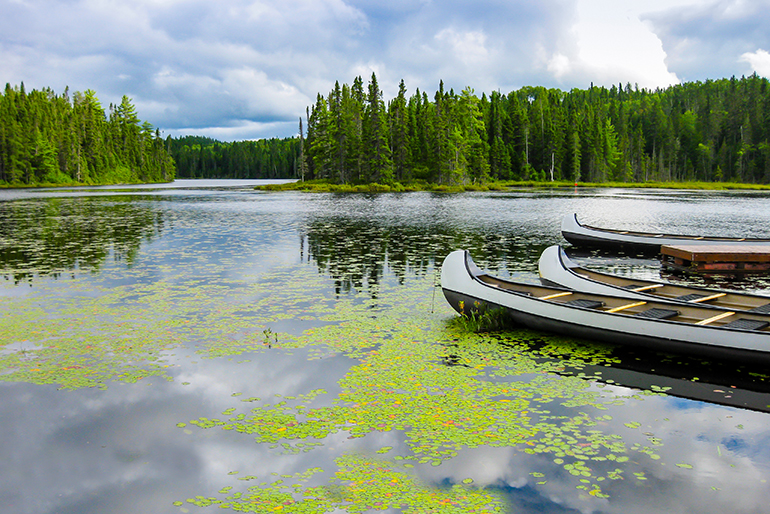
column 200, row 346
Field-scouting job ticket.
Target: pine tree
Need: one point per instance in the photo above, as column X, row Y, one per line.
column 376, row 152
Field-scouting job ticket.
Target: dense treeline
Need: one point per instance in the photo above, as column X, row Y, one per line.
column 713, row 131
column 47, row 138
column 203, row 157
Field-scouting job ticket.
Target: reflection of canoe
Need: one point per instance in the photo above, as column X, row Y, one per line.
column 556, row 268
column 723, row 387
column 585, row 235
column 666, row 326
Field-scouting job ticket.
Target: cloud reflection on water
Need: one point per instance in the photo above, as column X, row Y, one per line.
column 120, row 450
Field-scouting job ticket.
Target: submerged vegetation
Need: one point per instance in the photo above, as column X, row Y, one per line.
column 49, row 139
column 477, row 319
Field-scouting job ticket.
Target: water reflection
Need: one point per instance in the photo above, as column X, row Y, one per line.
column 355, row 238
column 52, row 236
column 742, row 385
column 222, row 268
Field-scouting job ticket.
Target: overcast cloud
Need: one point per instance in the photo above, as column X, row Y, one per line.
column 242, row 69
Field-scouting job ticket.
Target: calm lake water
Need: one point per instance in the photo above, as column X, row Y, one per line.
column 201, row 345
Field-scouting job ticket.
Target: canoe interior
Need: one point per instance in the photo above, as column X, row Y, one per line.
column 673, row 292
column 684, row 313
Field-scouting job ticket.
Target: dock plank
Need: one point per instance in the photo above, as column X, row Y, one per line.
column 717, row 258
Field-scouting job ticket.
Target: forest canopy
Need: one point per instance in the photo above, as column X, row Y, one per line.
column 203, row 157
column 50, row 139
column 712, row 131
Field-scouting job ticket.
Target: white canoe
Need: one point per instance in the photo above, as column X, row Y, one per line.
column 587, row 236
column 693, row 329
column 556, row 268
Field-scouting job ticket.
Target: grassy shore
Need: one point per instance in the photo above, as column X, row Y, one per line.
column 322, row 186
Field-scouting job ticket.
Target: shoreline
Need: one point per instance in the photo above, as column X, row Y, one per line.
column 326, row 187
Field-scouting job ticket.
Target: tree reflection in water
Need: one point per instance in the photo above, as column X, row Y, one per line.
column 52, row 236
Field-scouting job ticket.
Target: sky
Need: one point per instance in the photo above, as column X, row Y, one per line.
column 248, row 69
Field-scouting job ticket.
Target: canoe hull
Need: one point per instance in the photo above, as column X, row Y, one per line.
column 592, row 237
column 465, row 293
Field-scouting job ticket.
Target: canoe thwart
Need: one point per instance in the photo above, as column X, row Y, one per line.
column 556, row 295
column 646, row 288
column 626, row 306
column 715, row 318
column 707, row 298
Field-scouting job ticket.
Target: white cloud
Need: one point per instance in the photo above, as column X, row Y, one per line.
column 467, row 47
column 759, row 61
column 708, row 39
column 559, row 65
column 256, row 64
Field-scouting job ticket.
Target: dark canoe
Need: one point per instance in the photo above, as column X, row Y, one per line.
column 556, row 268
column 665, row 326
column 587, row 236
column 695, row 379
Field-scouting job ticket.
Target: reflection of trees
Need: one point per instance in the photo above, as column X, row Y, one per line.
column 47, row 237
column 356, row 251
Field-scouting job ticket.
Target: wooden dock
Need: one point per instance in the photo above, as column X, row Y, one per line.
column 717, row 258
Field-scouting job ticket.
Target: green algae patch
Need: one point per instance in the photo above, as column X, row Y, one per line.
column 446, row 390
column 443, row 388
column 95, row 335
column 360, row 484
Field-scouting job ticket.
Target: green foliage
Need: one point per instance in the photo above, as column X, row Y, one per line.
column 704, row 132
column 201, row 157
column 478, row 319
column 50, row 139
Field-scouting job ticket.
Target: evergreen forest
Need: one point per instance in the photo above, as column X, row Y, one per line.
column 718, row 130
column 203, row 157
column 50, row 139
column 712, row 131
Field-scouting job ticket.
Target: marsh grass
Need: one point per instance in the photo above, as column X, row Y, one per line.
column 480, row 319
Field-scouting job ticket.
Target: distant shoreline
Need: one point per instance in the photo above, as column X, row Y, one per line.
column 316, row 186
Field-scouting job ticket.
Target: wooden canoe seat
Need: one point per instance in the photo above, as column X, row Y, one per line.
column 748, row 324
column 657, row 313
column 690, row 297
column 585, row 303
column 762, row 309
